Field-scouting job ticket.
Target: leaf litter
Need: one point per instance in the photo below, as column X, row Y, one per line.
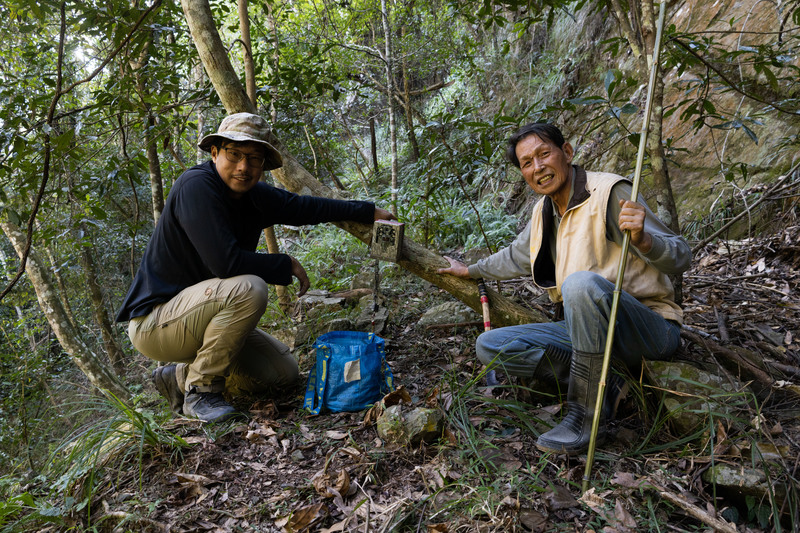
column 284, row 471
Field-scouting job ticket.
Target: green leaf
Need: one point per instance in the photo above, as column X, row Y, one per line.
column 629, row 108
column 591, row 100
column 750, row 133
column 773, row 81
column 610, row 82
column 14, row 217
column 98, row 213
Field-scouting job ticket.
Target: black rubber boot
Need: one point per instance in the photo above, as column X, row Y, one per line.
column 616, row 390
column 166, row 382
column 551, row 376
column 572, row 435
column 554, row 365
column 208, row 406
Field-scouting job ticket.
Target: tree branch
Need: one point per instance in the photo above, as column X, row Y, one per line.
column 732, row 84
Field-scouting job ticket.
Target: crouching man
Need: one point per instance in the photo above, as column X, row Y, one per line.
column 202, row 288
column 572, row 248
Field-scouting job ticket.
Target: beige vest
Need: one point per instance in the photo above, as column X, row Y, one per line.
column 581, row 245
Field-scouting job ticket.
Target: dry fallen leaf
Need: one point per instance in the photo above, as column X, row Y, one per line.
column 625, row 479
column 323, row 482
column 399, row 395
column 559, row 497
column 193, row 478
column 337, row 527
column 623, row 517
column 301, row 518
column 594, row 501
column 336, row 435
column 532, row 520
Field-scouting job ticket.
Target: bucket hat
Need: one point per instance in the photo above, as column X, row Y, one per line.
column 245, row 127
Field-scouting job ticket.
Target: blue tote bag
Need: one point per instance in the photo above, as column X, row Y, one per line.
column 350, row 373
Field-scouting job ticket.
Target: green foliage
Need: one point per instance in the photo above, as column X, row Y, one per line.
column 119, row 437
column 330, row 256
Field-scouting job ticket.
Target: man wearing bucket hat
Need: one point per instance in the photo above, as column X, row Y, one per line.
column 201, row 287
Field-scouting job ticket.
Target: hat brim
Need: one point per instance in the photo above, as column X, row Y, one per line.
column 272, row 157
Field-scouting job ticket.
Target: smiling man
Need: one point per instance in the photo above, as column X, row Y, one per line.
column 202, row 287
column 572, row 247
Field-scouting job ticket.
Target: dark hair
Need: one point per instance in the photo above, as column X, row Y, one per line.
column 546, row 132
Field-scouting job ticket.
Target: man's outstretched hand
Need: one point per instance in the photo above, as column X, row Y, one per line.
column 300, row 273
column 456, row 268
column 383, row 214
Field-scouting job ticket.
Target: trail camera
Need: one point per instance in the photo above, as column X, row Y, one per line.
column 387, row 240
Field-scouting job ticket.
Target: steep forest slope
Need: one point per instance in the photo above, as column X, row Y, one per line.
column 98, row 155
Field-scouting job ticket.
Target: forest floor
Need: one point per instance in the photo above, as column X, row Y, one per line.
column 283, row 470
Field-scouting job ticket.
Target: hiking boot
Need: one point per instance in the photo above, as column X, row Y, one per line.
column 208, row 406
column 166, row 382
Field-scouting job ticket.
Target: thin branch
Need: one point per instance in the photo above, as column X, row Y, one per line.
column 735, row 219
column 59, row 92
column 122, row 45
column 37, row 201
column 730, row 82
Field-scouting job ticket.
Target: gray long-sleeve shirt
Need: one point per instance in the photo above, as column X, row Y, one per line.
column 670, row 253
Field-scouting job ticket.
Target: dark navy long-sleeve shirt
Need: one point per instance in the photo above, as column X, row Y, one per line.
column 203, row 233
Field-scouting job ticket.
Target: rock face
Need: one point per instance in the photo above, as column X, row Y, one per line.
column 691, row 393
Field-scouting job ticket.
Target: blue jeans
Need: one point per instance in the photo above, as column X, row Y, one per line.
column 639, row 332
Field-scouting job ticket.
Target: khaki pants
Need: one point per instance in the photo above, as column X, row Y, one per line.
column 210, row 329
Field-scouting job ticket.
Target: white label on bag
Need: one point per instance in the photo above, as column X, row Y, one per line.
column 352, row 371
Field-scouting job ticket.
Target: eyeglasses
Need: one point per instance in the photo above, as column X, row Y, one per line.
column 235, row 156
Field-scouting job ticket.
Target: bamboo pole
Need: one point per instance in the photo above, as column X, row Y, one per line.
column 623, row 259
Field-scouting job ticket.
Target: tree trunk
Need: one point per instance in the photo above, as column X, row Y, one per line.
column 390, row 99
column 153, row 162
column 215, row 57
column 412, row 136
column 90, row 364
column 373, row 144
column 199, row 74
column 250, row 82
column 154, row 168
column 62, row 287
column 415, row 258
column 115, row 353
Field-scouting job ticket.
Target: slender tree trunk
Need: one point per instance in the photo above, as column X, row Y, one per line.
column 272, row 26
column 154, row 168
column 62, row 287
column 373, row 143
column 415, row 258
column 90, row 364
column 153, row 161
column 390, row 98
column 115, row 353
column 250, row 82
column 199, row 76
column 412, row 135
